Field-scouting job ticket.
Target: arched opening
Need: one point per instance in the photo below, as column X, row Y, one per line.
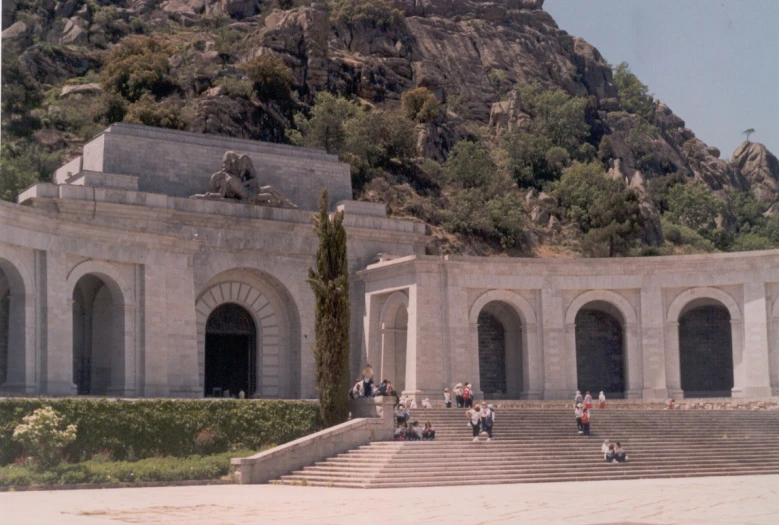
column 5, row 324
column 98, row 337
column 394, row 334
column 500, row 351
column 706, row 349
column 231, row 352
column 600, row 349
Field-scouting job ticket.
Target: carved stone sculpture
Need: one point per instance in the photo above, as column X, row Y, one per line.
column 238, row 180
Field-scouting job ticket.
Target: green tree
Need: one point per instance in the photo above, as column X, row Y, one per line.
column 469, row 164
column 693, row 205
column 137, row 66
column 420, row 104
column 324, row 127
column 607, row 212
column 271, row 77
column 657, row 189
column 164, row 114
column 23, row 163
column 633, row 95
column 535, row 154
column 330, row 284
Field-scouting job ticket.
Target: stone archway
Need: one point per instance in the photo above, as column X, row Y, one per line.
column 689, row 311
column 503, row 325
column 600, row 349
column 230, row 352
column 98, row 337
column 612, row 314
column 394, row 340
column 276, row 345
column 18, row 359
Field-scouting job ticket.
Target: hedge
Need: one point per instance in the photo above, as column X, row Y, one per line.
column 150, row 469
column 137, row 429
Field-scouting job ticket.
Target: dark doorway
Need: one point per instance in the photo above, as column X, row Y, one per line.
column 600, row 357
column 231, row 352
column 492, row 355
column 706, row 351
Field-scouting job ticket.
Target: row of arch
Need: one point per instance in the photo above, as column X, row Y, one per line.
column 247, row 333
column 602, row 327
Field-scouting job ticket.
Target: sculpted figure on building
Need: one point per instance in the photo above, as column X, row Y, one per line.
column 238, row 180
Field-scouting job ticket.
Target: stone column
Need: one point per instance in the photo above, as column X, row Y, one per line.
column 557, row 385
column 155, row 323
column 57, row 316
column 181, row 340
column 673, row 370
column 532, row 364
column 652, row 344
column 739, row 366
column 634, row 370
column 757, row 380
column 123, row 361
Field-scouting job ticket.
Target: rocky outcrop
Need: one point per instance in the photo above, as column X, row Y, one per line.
column 81, row 89
column 760, row 168
column 51, row 64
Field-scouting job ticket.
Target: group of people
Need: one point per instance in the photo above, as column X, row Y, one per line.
column 613, row 452
column 463, row 396
column 481, row 419
column 364, row 387
column 412, row 432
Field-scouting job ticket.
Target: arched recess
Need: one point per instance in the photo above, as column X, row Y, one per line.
column 618, row 308
column 394, row 340
column 18, row 360
column 102, row 322
column 277, row 323
column 98, row 336
column 686, row 302
column 517, row 320
column 600, row 349
column 231, row 352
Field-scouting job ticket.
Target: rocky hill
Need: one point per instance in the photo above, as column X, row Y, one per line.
column 484, row 119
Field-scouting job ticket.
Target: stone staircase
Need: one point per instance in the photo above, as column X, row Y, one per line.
column 539, row 445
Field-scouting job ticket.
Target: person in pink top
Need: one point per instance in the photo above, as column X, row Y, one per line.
column 588, row 400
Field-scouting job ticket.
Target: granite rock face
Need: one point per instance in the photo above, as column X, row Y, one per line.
column 760, row 168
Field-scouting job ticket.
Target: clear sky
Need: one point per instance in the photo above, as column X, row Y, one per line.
column 715, row 63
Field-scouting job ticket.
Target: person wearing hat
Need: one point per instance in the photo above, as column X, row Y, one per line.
column 458, row 394
column 487, row 419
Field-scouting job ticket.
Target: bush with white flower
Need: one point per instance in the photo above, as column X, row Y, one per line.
column 42, row 438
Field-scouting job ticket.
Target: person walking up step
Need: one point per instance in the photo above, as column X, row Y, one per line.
column 474, row 414
column 458, row 395
column 586, row 422
column 487, row 419
column 578, row 399
column 601, row 400
column 588, row 401
column 578, row 412
column 468, row 396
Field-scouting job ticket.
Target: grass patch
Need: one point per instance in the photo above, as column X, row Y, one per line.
column 151, row 469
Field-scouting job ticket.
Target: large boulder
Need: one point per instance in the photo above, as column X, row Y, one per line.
column 53, row 64
column 81, row 89
column 760, row 168
column 75, row 31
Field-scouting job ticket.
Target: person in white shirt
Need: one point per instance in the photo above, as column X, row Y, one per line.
column 577, row 399
column 487, row 419
column 604, row 448
column 474, row 415
column 367, row 381
column 413, row 404
column 447, row 398
column 601, row 400
column 458, row 394
column 578, row 412
column 426, row 403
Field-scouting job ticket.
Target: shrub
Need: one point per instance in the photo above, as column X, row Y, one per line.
column 168, row 427
column 235, row 87
column 633, row 95
column 137, row 66
column 469, row 165
column 324, row 128
column 420, row 104
column 271, row 78
column 163, row 114
column 40, row 435
column 354, row 14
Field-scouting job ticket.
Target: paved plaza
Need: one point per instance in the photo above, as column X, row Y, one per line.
column 711, row 501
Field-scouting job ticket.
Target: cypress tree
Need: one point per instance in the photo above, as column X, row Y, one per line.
column 330, row 283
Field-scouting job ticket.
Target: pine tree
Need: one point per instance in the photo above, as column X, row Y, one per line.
column 330, row 283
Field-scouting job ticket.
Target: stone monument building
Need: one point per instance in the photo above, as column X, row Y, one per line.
column 169, row 264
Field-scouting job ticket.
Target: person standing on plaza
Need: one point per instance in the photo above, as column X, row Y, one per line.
column 578, row 399
column 588, row 401
column 447, row 398
column 367, row 381
column 578, row 412
column 586, row 422
column 458, row 394
column 601, row 400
